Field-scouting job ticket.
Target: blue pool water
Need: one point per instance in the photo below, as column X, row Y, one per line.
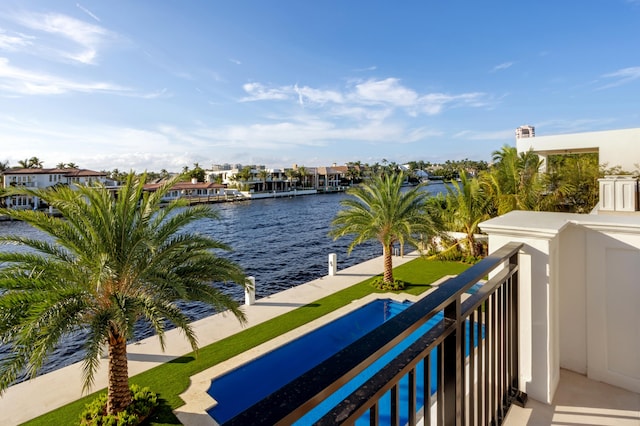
column 248, row 384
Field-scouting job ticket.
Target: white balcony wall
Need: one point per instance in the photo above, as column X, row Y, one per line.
column 614, row 147
column 580, row 287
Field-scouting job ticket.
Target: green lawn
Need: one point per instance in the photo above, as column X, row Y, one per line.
column 172, row 378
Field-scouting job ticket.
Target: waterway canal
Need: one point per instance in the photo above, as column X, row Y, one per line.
column 282, row 242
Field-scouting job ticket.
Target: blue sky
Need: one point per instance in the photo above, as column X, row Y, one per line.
column 163, row 84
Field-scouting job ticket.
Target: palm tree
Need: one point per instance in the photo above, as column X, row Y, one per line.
column 35, row 163
column 263, row 174
column 4, row 166
column 302, row 173
column 291, row 175
column 514, row 181
column 112, row 262
column 30, row 163
column 379, row 210
column 353, row 172
column 466, row 207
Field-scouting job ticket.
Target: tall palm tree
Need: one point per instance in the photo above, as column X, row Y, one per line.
column 466, row 207
column 379, row 210
column 113, row 261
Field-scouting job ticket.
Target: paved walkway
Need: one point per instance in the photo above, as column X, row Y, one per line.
column 28, row 400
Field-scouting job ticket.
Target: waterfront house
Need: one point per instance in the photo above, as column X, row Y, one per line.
column 333, row 178
column 196, row 191
column 44, row 178
column 322, row 178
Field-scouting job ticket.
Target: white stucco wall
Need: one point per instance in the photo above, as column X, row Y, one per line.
column 572, row 287
column 615, row 147
column 580, row 288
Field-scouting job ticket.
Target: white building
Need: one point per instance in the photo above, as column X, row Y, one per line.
column 614, row 147
column 196, row 191
column 44, row 178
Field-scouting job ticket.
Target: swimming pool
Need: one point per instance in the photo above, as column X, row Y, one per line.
column 246, row 385
column 249, row 383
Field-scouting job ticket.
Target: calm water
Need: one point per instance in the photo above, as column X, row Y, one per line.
column 281, row 242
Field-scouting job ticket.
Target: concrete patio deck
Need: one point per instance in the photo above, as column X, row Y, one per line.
column 580, row 401
column 31, row 399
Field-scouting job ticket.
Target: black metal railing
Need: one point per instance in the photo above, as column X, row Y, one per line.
column 469, row 357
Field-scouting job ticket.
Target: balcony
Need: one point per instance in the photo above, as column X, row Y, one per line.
column 466, row 366
column 559, row 323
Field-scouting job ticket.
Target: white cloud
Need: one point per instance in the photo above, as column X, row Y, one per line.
column 622, row 76
column 371, row 68
column 366, row 99
column 258, row 92
column 502, row 66
column 308, row 94
column 14, row 80
column 85, row 38
column 14, row 41
column 434, row 103
column 388, row 91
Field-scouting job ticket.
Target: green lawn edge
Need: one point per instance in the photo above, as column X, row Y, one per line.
column 172, row 378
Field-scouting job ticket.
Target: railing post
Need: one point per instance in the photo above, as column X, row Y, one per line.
column 518, row 397
column 452, row 359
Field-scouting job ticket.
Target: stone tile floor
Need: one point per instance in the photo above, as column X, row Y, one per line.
column 580, row 401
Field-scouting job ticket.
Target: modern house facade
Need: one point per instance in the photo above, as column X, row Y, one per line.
column 260, row 179
column 195, row 191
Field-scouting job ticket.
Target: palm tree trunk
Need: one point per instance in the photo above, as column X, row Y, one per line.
column 388, row 264
column 119, row 395
column 471, row 240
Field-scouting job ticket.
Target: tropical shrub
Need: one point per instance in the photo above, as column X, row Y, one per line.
column 143, row 402
column 380, row 284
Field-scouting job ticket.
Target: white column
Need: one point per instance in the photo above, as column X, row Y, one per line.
column 333, row 264
column 539, row 328
column 250, row 292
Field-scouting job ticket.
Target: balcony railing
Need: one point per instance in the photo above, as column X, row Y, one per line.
column 475, row 346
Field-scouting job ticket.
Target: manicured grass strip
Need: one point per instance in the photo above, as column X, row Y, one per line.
column 172, row 378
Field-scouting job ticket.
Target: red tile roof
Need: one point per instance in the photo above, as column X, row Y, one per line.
column 65, row 172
